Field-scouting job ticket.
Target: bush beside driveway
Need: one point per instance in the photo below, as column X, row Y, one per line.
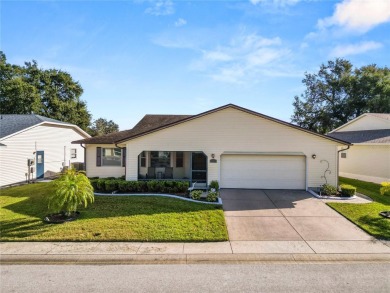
column 366, row 216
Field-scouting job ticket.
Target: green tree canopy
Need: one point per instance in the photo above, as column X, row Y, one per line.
column 101, row 126
column 339, row 93
column 48, row 92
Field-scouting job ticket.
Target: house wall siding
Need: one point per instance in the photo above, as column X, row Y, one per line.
column 103, row 171
column 236, row 131
column 367, row 123
column 55, row 141
column 367, row 162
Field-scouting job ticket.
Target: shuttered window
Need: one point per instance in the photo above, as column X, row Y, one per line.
column 98, row 156
column 124, row 157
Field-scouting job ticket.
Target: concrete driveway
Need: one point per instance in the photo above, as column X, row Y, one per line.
column 290, row 221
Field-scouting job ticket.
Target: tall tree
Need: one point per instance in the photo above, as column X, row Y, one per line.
column 101, row 126
column 339, row 93
column 49, row 92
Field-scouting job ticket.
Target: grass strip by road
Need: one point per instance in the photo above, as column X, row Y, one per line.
column 366, row 216
column 110, row 218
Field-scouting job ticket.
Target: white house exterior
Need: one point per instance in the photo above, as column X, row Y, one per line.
column 368, row 159
column 47, row 142
column 236, row 146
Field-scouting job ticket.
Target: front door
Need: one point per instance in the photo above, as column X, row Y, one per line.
column 40, row 164
column 199, row 167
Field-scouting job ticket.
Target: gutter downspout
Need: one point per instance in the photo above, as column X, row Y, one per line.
column 116, row 144
column 338, row 162
column 85, row 157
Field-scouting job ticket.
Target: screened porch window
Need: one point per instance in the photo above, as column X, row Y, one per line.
column 160, row 159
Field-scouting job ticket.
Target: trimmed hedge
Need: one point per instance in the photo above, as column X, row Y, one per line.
column 212, row 196
column 328, row 189
column 196, row 194
column 347, row 190
column 109, row 185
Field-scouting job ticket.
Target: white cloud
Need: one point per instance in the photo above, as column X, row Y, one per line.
column 180, row 22
column 245, row 57
column 354, row 49
column 358, row 15
column 161, row 7
column 275, row 2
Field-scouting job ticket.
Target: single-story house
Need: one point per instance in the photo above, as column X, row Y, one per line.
column 36, row 143
column 238, row 147
column 368, row 158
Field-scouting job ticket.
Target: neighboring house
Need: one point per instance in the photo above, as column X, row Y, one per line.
column 368, row 158
column 238, row 147
column 45, row 142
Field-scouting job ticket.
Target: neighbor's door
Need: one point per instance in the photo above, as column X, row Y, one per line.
column 40, row 164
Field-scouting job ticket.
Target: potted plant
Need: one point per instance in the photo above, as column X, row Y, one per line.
column 72, row 190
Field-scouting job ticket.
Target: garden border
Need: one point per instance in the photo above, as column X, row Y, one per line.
column 312, row 192
column 219, row 202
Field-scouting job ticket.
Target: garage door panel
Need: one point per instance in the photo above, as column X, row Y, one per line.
column 259, row 171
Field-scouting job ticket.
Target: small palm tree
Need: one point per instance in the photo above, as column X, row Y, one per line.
column 72, row 190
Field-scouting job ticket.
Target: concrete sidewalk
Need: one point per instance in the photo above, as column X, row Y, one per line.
column 212, row 252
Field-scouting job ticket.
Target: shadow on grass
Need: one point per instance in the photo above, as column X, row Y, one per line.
column 377, row 226
column 22, row 228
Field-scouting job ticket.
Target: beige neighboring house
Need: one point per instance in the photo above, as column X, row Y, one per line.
column 44, row 142
column 368, row 158
column 236, row 146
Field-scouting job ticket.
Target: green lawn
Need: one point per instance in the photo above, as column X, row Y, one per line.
column 133, row 218
column 367, row 215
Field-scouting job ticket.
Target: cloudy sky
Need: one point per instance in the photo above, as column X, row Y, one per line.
column 184, row 57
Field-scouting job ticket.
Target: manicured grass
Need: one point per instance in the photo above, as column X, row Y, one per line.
column 133, row 218
column 367, row 215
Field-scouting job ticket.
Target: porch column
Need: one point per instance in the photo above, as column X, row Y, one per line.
column 132, row 163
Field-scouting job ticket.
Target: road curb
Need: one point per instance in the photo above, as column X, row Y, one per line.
column 103, row 259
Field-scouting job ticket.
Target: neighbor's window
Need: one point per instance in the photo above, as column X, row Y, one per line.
column 111, row 157
column 143, row 159
column 160, row 159
column 73, row 153
column 179, row 159
column 344, row 155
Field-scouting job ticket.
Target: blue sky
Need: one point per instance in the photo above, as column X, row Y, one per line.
column 184, row 57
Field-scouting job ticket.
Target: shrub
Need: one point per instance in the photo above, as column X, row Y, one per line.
column 385, row 189
column 72, row 190
column 214, row 185
column 328, row 189
column 111, row 185
column 347, row 190
column 212, row 196
column 196, row 194
column 101, row 184
column 124, row 186
column 94, row 183
column 152, row 186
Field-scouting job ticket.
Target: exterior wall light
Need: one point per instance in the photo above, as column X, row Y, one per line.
column 213, row 156
column 314, row 156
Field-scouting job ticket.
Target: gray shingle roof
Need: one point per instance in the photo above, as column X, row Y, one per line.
column 12, row 123
column 147, row 123
column 363, row 136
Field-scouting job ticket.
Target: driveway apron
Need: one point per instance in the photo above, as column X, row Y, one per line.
column 284, row 215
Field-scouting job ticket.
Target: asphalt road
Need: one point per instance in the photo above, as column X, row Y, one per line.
column 361, row 277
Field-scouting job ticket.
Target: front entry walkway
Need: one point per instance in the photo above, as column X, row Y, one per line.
column 290, row 221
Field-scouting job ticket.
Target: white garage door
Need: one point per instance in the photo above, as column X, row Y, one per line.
column 263, row 172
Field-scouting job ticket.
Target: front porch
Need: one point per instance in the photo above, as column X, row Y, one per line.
column 173, row 165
